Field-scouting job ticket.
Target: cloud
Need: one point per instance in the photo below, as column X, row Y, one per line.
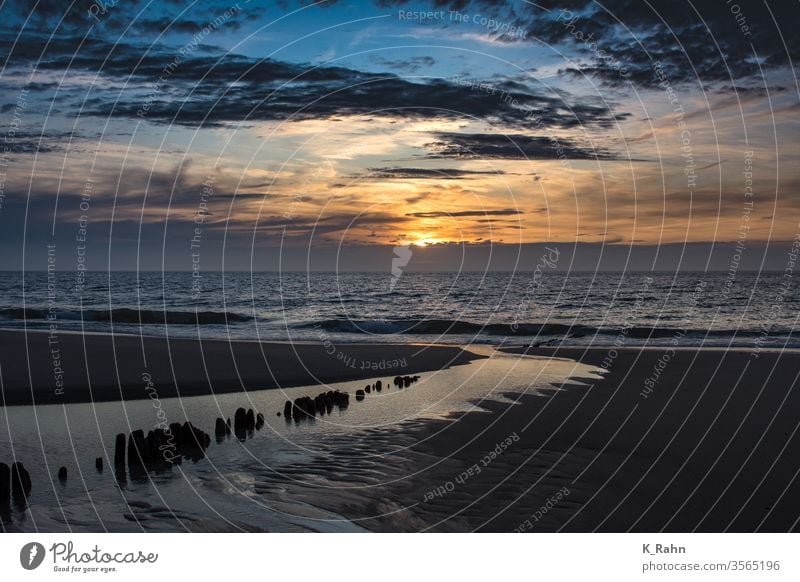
column 712, row 165
column 510, row 147
column 79, row 16
column 22, row 142
column 705, row 40
column 409, row 65
column 192, row 25
column 464, row 213
column 426, row 173
column 201, row 86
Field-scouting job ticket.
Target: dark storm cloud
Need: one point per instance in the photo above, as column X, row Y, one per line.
column 47, row 13
column 510, row 147
column 193, row 87
column 270, row 90
column 189, row 25
column 709, row 40
column 78, row 16
column 410, row 65
column 705, row 40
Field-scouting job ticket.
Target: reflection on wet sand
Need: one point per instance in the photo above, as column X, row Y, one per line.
column 264, row 470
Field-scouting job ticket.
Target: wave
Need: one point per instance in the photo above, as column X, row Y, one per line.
column 125, row 315
column 436, row 326
column 412, row 325
column 458, row 327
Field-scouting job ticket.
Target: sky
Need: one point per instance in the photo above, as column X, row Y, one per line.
column 287, row 135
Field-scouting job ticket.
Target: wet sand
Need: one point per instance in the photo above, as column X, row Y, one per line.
column 103, row 367
column 709, row 443
column 714, row 447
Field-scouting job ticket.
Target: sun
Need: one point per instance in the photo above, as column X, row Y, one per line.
column 424, row 242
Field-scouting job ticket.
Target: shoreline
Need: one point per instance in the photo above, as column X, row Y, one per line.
column 109, row 367
column 503, row 344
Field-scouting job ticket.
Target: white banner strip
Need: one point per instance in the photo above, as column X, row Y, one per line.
column 400, row 557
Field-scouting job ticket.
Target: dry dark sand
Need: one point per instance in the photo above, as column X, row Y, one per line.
column 101, row 367
column 713, row 448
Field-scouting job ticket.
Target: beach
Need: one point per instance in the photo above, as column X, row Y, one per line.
column 712, row 448
column 104, row 367
column 517, row 439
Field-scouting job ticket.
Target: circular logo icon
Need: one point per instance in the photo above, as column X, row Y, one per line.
column 31, row 555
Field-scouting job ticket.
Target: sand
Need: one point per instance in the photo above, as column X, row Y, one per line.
column 714, row 447
column 103, row 367
column 710, row 443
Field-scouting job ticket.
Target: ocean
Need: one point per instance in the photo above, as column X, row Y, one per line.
column 636, row 308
